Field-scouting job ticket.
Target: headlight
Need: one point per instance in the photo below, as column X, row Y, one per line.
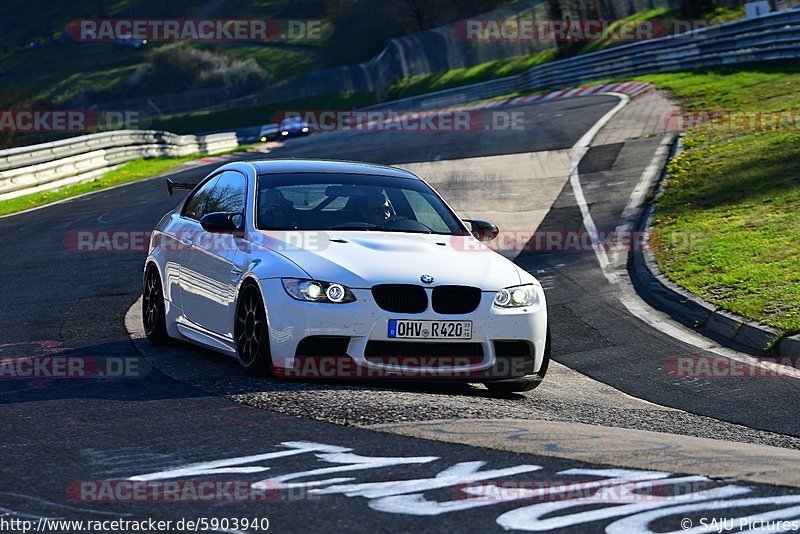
column 284, row 133
column 516, row 297
column 316, row 291
column 263, row 139
column 305, row 129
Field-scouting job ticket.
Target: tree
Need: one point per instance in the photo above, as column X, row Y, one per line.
column 696, row 9
column 420, row 13
column 554, row 7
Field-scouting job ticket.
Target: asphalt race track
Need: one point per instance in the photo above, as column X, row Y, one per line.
column 321, row 445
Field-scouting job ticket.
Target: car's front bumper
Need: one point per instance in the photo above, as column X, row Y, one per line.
column 285, row 134
column 361, row 322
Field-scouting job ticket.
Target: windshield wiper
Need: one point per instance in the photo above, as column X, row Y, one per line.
column 403, row 231
column 356, row 227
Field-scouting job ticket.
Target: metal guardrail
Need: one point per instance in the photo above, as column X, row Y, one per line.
column 34, row 168
column 771, row 37
column 775, row 36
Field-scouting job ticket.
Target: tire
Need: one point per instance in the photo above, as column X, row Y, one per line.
column 528, row 383
column 153, row 308
column 251, row 332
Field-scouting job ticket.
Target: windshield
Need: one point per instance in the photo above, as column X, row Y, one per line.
column 306, row 201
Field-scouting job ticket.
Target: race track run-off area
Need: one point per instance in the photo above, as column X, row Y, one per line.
column 611, row 441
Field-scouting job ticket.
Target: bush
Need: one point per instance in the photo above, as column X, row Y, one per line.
column 361, row 28
column 176, row 67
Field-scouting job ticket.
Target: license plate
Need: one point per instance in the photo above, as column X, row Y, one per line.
column 401, row 328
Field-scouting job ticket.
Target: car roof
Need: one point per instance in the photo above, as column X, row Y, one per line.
column 289, row 166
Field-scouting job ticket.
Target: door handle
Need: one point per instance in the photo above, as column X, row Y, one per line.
column 187, row 241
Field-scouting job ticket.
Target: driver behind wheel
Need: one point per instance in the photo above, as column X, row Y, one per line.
column 273, row 209
column 372, row 208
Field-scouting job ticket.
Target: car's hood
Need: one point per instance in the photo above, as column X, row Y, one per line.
column 363, row 259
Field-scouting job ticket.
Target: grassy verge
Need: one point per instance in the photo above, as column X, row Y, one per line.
column 137, row 169
column 606, row 41
column 516, row 65
column 468, row 75
column 216, row 119
column 728, row 225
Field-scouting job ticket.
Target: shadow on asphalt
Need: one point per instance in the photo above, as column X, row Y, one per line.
column 221, row 375
column 112, row 371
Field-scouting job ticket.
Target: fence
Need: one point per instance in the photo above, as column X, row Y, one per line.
column 30, row 169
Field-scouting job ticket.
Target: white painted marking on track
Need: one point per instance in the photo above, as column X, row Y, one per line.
column 630, row 299
column 579, row 150
column 759, row 522
column 617, row 495
column 535, row 517
column 231, row 465
column 648, row 177
column 660, row 321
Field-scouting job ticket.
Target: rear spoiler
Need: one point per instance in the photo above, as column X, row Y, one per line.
column 171, row 186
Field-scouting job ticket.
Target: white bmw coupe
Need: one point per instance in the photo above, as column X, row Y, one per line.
column 332, row 269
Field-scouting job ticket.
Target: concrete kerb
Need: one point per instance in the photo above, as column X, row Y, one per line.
column 664, row 294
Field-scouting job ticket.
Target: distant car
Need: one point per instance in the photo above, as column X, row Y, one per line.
column 284, row 261
column 128, row 41
column 293, row 127
column 268, row 132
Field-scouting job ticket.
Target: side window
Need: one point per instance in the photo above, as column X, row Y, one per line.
column 194, row 206
column 228, row 194
column 224, row 193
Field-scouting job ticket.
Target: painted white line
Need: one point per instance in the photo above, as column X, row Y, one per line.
column 661, row 321
column 647, row 179
column 664, row 324
column 617, row 276
column 579, row 150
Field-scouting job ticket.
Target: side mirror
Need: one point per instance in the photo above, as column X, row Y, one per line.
column 221, row 222
column 483, row 230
